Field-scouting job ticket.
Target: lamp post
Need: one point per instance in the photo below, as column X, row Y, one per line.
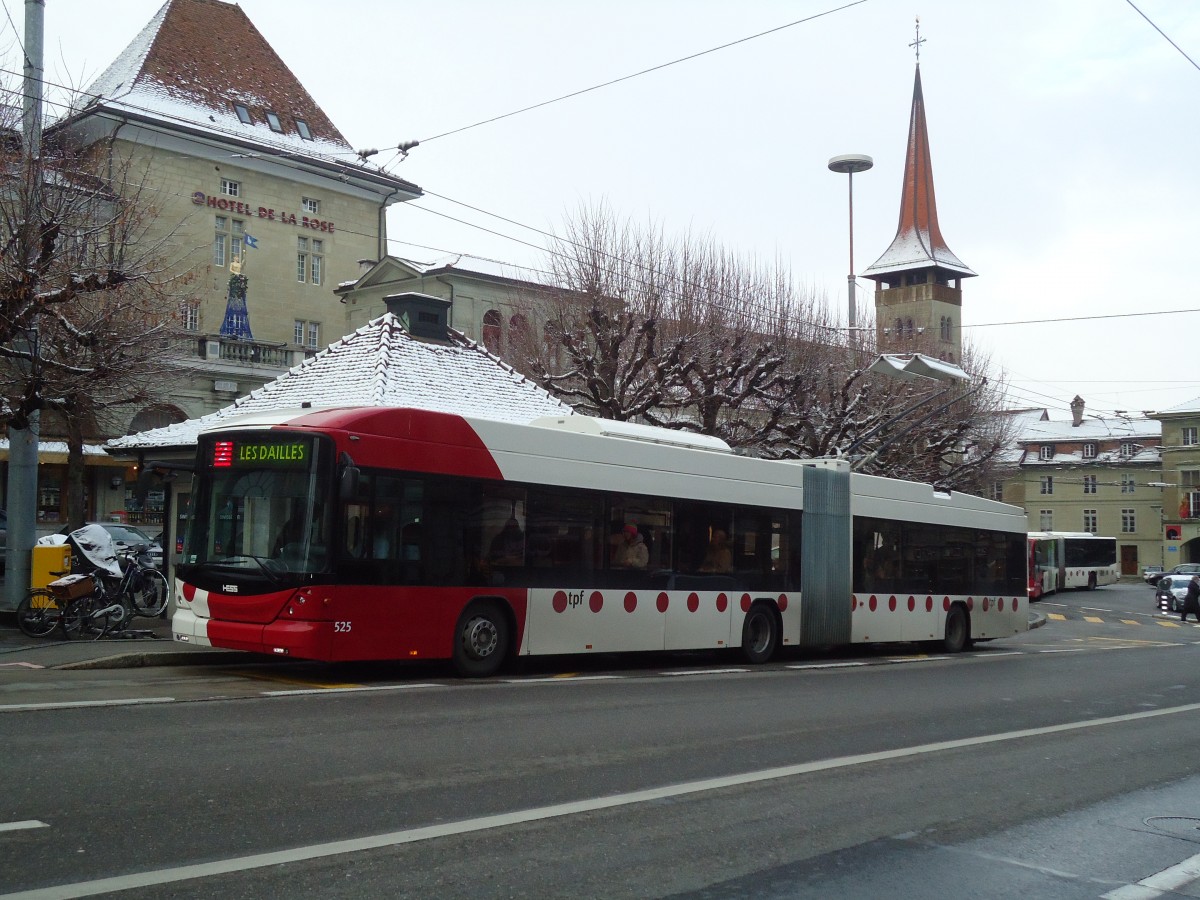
column 849, row 163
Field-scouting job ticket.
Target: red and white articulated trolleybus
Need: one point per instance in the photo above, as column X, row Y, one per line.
column 384, row 533
column 1070, row 559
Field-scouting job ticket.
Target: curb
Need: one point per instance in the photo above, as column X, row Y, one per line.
column 161, row 658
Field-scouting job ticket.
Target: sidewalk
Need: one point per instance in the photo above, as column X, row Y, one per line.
column 154, row 649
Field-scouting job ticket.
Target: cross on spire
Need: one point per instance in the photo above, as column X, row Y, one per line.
column 916, row 45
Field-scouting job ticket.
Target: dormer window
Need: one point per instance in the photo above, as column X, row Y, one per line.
column 302, row 127
column 1128, row 449
column 273, row 121
column 1089, row 451
column 243, row 114
column 1046, row 452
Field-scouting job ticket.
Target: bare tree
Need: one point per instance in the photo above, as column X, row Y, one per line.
column 685, row 334
column 86, row 313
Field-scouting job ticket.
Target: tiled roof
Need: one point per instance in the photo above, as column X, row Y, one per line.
column 194, row 60
column 381, row 364
column 918, row 242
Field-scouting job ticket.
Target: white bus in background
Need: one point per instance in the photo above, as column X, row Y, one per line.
column 1059, row 560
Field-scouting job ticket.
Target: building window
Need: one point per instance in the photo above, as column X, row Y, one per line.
column 1128, row 521
column 1045, row 520
column 1128, row 449
column 1189, row 478
column 1089, row 484
column 1089, row 522
column 231, row 188
column 1127, row 484
column 1046, row 452
column 302, row 259
column 1047, row 484
column 1089, row 451
column 302, row 127
column 189, row 314
column 491, row 330
column 1189, row 436
column 317, row 261
column 311, row 205
column 997, row 490
column 243, row 114
column 306, row 334
column 227, row 242
column 273, row 121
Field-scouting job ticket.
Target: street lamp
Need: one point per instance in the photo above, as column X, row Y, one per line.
column 849, row 163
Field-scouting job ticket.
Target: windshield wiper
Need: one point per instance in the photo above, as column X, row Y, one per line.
column 265, row 563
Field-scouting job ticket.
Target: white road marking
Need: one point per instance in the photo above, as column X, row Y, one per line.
column 78, row 704
column 559, row 810
column 840, row 665
column 705, row 672
column 1066, row 650
column 564, row 678
column 18, row 826
column 27, row 665
column 346, row 690
column 1161, row 883
column 908, row 659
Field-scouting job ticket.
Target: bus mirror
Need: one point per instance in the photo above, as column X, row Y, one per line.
column 349, row 484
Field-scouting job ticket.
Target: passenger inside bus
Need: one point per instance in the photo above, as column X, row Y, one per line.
column 719, row 556
column 631, row 552
column 508, row 546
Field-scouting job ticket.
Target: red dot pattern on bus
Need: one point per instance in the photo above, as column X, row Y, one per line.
column 874, row 603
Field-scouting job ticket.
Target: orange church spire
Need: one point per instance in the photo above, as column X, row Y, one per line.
column 918, row 243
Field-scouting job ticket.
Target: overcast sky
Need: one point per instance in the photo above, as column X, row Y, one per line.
column 1064, row 138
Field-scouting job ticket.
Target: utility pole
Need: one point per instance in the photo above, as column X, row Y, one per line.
column 23, row 442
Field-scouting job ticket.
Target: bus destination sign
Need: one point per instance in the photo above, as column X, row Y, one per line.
column 260, row 454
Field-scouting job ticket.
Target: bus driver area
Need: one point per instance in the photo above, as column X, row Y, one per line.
column 419, row 535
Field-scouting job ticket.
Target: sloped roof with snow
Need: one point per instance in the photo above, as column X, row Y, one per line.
column 1107, row 434
column 381, row 364
column 194, row 60
column 1190, row 407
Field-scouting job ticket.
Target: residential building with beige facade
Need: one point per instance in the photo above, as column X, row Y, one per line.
column 1091, row 474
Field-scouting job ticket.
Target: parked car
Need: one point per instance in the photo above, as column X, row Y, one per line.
column 1181, row 569
column 1151, row 574
column 1171, row 591
column 125, row 536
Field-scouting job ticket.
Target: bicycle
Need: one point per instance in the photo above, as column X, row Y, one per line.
column 39, row 612
column 102, row 605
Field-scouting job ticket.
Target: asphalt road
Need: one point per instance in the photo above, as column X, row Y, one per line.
column 1054, row 764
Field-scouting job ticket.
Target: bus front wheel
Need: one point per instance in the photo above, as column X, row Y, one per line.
column 958, row 631
column 481, row 640
column 760, row 634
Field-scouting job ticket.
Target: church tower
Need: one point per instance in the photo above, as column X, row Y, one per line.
column 918, row 293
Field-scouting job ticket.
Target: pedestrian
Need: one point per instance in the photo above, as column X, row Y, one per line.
column 1191, row 601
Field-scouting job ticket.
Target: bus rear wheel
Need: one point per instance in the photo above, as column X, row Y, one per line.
column 481, row 640
column 958, row 631
column 760, row 634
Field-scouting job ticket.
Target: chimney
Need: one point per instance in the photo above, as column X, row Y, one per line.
column 364, row 266
column 1077, row 411
column 422, row 315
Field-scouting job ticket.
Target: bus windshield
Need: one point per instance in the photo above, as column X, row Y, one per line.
column 261, row 505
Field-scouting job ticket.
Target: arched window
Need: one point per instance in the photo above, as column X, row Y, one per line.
column 947, row 324
column 899, row 332
column 551, row 344
column 491, row 330
column 519, row 336
column 908, row 328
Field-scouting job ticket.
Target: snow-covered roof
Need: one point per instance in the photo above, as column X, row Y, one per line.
column 381, row 364
column 1186, row 408
column 1090, row 429
column 194, row 60
column 478, row 265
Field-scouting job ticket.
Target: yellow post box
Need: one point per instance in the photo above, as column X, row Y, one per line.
column 49, row 563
